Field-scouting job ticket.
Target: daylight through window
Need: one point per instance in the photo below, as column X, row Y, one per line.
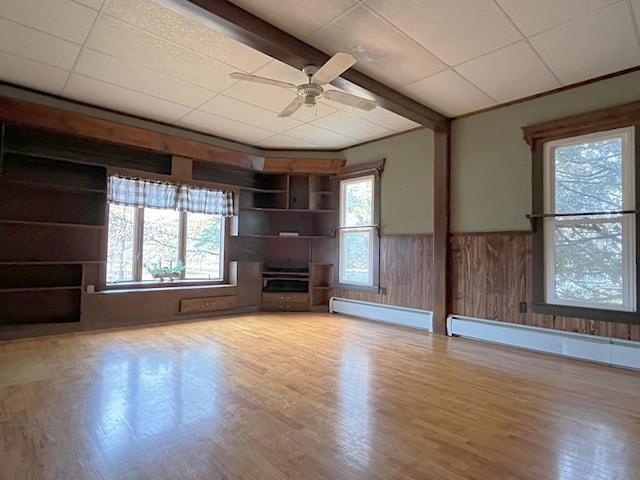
column 590, row 254
column 151, row 236
column 357, row 230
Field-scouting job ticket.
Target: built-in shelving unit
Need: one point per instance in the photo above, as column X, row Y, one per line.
column 52, row 215
column 294, row 217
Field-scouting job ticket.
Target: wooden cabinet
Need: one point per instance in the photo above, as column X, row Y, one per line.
column 207, row 304
column 285, row 302
column 52, row 217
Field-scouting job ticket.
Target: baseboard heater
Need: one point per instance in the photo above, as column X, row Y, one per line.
column 611, row 351
column 408, row 317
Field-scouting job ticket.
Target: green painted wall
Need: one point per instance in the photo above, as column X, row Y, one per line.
column 407, row 180
column 491, row 163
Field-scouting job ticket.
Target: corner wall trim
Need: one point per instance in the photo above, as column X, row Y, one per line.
column 610, row 351
column 408, row 317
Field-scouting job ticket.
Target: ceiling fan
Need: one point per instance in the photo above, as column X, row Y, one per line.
column 308, row 93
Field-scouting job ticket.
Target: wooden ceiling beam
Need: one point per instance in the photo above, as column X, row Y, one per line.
column 270, row 40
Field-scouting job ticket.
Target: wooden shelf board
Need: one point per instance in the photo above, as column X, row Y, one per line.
column 52, row 224
column 38, row 289
column 262, row 190
column 53, row 186
column 294, row 210
column 304, row 237
column 52, row 262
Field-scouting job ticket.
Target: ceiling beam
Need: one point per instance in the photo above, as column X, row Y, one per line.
column 264, row 37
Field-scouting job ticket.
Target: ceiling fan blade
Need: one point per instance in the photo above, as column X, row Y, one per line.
column 351, row 100
column 256, row 79
column 292, row 108
column 337, row 64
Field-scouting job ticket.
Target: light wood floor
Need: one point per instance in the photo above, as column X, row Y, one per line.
column 307, row 396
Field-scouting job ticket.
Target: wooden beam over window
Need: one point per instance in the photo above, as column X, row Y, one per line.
column 264, row 37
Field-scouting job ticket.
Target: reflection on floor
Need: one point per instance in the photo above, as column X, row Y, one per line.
column 307, row 396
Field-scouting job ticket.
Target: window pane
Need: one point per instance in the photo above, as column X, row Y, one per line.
column 160, row 240
column 356, row 257
column 589, row 263
column 205, row 234
column 120, row 244
column 358, row 203
column 588, row 176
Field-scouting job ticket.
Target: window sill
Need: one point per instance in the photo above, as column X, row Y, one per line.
column 356, row 288
column 160, row 287
column 586, row 313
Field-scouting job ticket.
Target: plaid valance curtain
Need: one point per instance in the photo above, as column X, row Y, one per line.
column 138, row 192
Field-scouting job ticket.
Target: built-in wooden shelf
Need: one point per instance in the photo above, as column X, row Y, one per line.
column 289, row 210
column 288, row 237
column 52, row 224
column 52, row 186
column 39, row 289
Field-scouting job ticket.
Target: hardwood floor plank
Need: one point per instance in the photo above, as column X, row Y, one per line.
column 308, row 396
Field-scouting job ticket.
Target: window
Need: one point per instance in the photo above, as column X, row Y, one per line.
column 589, row 221
column 357, row 232
column 158, row 230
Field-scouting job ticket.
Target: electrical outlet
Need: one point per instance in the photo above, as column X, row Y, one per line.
column 523, row 307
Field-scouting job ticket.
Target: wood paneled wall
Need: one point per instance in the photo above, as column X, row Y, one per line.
column 405, row 272
column 491, row 275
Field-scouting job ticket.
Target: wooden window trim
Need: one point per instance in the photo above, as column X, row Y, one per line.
column 626, row 115
column 375, row 169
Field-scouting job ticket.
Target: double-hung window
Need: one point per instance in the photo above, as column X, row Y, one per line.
column 164, row 231
column 589, row 221
column 358, row 231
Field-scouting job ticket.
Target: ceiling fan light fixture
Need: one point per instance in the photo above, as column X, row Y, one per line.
column 309, row 101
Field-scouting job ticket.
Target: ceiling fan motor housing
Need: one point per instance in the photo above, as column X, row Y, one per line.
column 310, row 91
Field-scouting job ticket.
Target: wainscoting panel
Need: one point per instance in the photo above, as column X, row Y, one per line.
column 491, row 275
column 405, row 271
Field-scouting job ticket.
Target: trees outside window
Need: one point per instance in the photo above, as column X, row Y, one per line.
column 143, row 240
column 589, row 240
column 357, row 231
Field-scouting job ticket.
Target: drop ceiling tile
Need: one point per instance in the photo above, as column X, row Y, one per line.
column 635, row 4
column 385, row 118
column 309, row 114
column 509, row 73
column 320, row 136
column 62, row 18
column 534, row 16
column 228, row 107
column 117, row 98
column 124, row 41
column 455, row 31
column 95, row 4
column 265, row 96
column 381, row 50
column 186, row 31
column 295, row 18
column 354, row 127
column 36, row 45
column 449, row 93
column 134, row 77
column 22, row 71
column 596, row 52
column 223, row 127
column 281, row 71
column 284, row 141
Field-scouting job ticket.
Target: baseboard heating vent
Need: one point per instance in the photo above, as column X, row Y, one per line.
column 611, row 351
column 408, row 317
